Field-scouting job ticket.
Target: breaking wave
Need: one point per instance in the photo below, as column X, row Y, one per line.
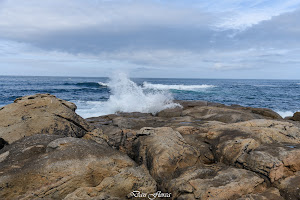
column 147, row 85
column 127, row 96
column 103, row 84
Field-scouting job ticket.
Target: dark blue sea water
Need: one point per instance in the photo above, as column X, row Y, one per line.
column 90, row 94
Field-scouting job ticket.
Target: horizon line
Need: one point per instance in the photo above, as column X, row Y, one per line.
column 58, row 76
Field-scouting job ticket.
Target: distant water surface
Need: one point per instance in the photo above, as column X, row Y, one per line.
column 98, row 96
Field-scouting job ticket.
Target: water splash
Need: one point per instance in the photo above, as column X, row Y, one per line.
column 127, row 96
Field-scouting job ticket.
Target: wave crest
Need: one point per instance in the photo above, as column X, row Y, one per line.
column 147, row 85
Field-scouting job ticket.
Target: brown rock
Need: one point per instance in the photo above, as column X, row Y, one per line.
column 172, row 112
column 265, row 112
column 40, row 114
column 191, row 104
column 138, row 123
column 221, row 114
column 296, row 116
column 269, row 194
column 210, row 184
column 164, row 152
column 205, row 149
column 264, row 131
column 275, row 161
column 48, row 166
column 130, row 179
column 290, row 187
column 97, row 136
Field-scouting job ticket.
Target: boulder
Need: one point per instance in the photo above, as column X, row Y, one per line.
column 222, row 114
column 266, row 147
column 171, row 112
column 296, row 117
column 264, row 131
column 215, row 182
column 117, row 187
column 269, row 194
column 205, row 149
column 275, row 161
column 290, row 187
column 40, row 114
column 191, row 104
column 53, row 167
column 164, row 152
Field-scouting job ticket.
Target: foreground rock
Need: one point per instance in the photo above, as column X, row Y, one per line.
column 215, row 182
column 290, row 187
column 55, row 167
column 165, row 153
column 40, row 114
column 200, row 150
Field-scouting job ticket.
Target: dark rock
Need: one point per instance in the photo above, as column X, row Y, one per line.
column 296, row 116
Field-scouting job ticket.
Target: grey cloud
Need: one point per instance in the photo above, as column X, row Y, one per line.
column 280, row 32
column 152, row 36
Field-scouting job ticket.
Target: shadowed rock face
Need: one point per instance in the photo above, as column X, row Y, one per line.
column 290, row 187
column 50, row 166
column 40, row 114
column 296, row 116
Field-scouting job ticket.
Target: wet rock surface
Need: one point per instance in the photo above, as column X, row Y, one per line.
column 201, row 150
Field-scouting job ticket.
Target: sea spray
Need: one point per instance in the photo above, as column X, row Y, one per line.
column 127, row 96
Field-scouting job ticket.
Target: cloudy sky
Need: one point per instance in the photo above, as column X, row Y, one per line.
column 158, row 38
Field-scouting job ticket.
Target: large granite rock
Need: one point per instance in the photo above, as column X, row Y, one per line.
column 164, row 152
column 265, row 131
column 215, row 182
column 40, row 114
column 275, row 161
column 55, row 167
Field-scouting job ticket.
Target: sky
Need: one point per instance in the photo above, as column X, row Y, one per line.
column 159, row 38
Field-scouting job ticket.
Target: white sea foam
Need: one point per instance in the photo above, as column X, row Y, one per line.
column 126, row 96
column 147, row 85
column 264, row 85
column 103, row 84
column 285, row 113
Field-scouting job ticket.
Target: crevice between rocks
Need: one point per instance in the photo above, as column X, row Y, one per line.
column 72, row 121
column 3, row 143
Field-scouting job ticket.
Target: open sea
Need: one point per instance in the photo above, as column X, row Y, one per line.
column 99, row 96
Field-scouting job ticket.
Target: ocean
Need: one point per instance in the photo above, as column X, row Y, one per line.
column 100, row 96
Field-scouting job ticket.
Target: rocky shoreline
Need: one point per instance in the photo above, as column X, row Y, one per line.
column 200, row 150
